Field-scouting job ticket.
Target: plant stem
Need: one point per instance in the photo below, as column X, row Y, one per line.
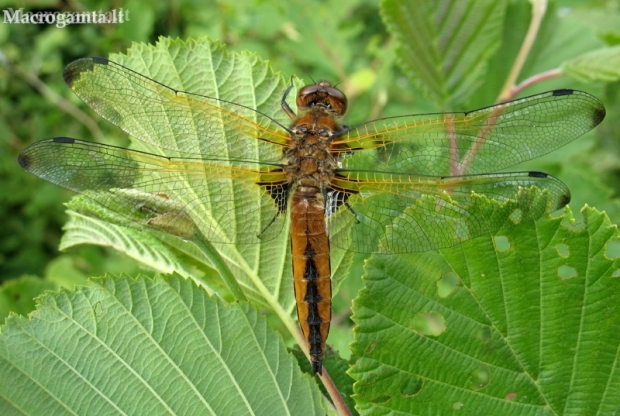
column 539, row 7
column 553, row 73
column 334, row 394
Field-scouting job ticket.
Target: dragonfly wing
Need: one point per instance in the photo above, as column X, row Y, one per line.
column 190, row 198
column 189, row 124
column 403, row 213
column 485, row 140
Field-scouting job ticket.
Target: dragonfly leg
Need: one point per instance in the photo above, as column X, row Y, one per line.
column 350, row 208
column 267, row 226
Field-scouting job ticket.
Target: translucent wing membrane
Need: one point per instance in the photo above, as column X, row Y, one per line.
column 485, row 140
column 226, row 173
column 190, row 198
column 221, row 176
column 403, row 213
column 189, row 124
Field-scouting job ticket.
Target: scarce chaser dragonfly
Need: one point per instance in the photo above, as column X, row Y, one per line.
column 373, row 180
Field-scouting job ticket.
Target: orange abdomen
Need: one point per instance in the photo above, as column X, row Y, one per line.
column 311, row 269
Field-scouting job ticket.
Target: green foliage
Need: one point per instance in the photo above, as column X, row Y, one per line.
column 446, row 54
column 130, row 329
column 18, row 295
column 517, row 323
column 603, row 64
column 528, row 327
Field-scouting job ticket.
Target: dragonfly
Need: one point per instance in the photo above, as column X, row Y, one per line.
column 392, row 185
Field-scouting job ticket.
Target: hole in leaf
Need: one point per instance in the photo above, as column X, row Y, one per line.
column 429, row 323
column 562, row 250
column 484, row 334
column 411, row 386
column 480, row 378
column 372, row 378
column 613, row 249
column 516, row 216
column 370, row 348
column 447, row 284
column 511, row 396
column 457, row 406
column 573, row 225
column 98, row 309
column 501, row 243
column 616, row 273
column 384, row 398
column 567, row 272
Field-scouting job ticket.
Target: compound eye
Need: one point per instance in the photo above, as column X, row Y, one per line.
column 308, row 90
column 322, row 93
column 339, row 97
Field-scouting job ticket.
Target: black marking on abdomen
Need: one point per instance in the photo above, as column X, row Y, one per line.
column 313, row 298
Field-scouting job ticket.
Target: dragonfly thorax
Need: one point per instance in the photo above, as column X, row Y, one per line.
column 309, row 161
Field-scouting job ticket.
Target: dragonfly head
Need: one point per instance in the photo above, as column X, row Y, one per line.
column 322, row 94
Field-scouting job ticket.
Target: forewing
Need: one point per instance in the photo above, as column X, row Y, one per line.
column 189, row 124
column 191, row 198
column 403, row 213
column 485, row 140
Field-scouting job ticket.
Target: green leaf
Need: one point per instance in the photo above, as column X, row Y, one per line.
column 599, row 65
column 444, row 47
column 18, row 295
column 522, row 323
column 142, row 346
column 65, row 272
column 88, row 229
column 260, row 272
column 85, row 227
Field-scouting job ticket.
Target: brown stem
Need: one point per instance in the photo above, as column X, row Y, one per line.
column 539, row 8
column 330, row 387
column 543, row 76
column 334, row 394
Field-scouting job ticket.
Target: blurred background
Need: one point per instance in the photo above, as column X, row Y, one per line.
column 344, row 41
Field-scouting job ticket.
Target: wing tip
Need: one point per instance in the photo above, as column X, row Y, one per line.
column 598, row 111
column 74, row 69
column 564, row 201
column 24, row 160
column 25, row 157
column 598, row 115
